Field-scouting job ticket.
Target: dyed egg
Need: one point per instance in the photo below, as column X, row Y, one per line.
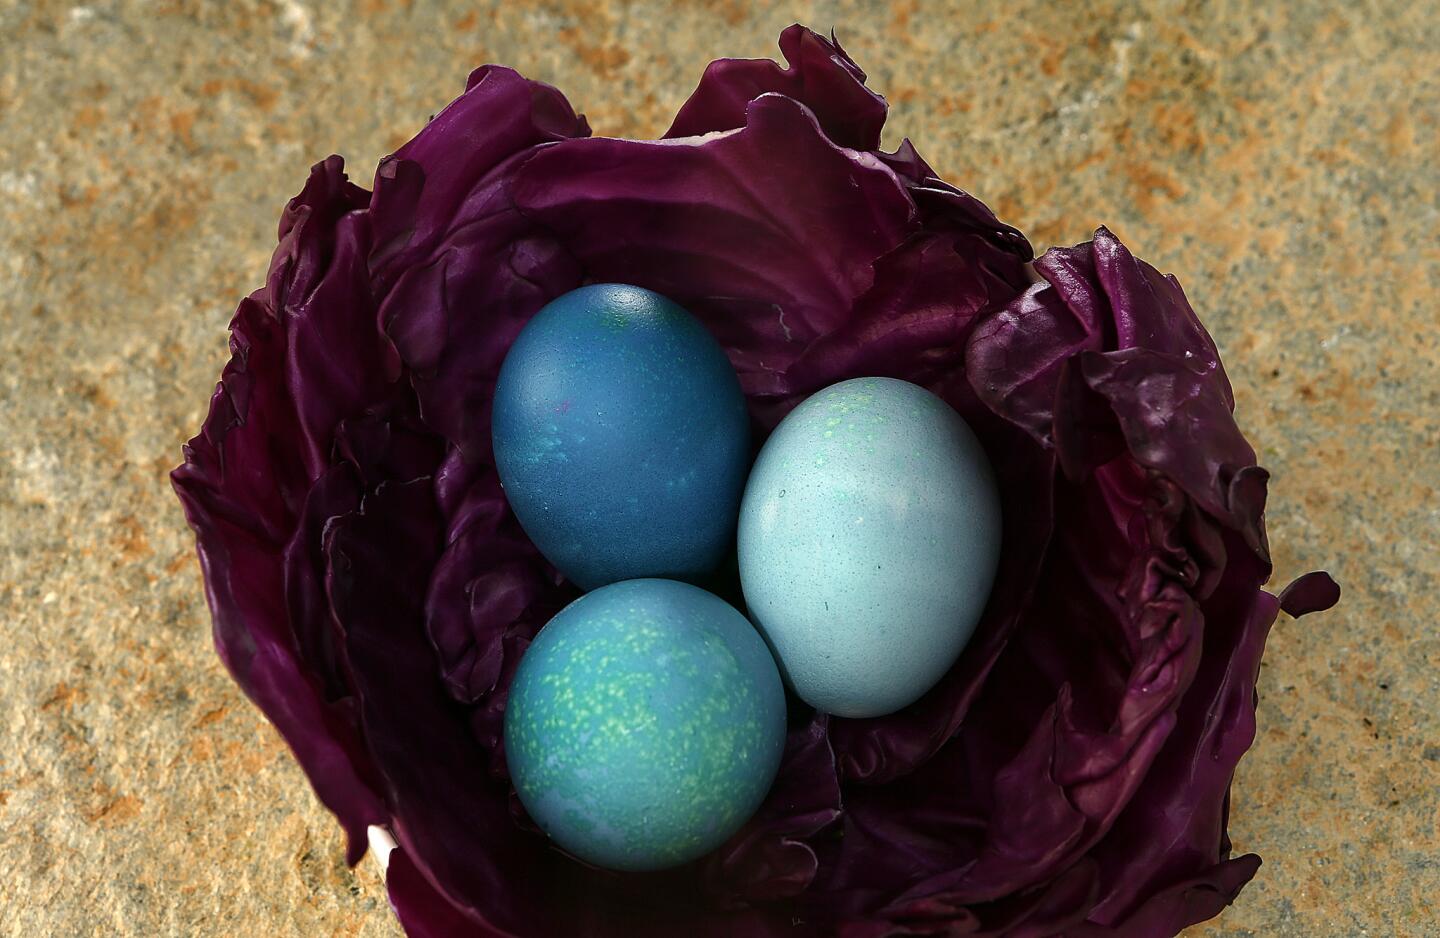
column 869, row 538
column 644, row 725
column 621, row 437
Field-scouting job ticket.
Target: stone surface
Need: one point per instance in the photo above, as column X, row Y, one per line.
column 1280, row 158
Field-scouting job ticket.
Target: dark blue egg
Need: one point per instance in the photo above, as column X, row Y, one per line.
column 621, row 437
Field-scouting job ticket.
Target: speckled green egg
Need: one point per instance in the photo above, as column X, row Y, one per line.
column 645, row 724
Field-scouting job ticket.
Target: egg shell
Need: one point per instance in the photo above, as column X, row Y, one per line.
column 869, row 538
column 621, row 437
column 645, row 724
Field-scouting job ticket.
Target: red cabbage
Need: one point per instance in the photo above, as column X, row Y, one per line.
column 372, row 593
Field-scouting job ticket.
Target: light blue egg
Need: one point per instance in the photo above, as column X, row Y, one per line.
column 869, row 538
column 645, row 724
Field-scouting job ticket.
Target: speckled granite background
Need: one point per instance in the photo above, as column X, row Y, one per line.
column 1280, row 158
